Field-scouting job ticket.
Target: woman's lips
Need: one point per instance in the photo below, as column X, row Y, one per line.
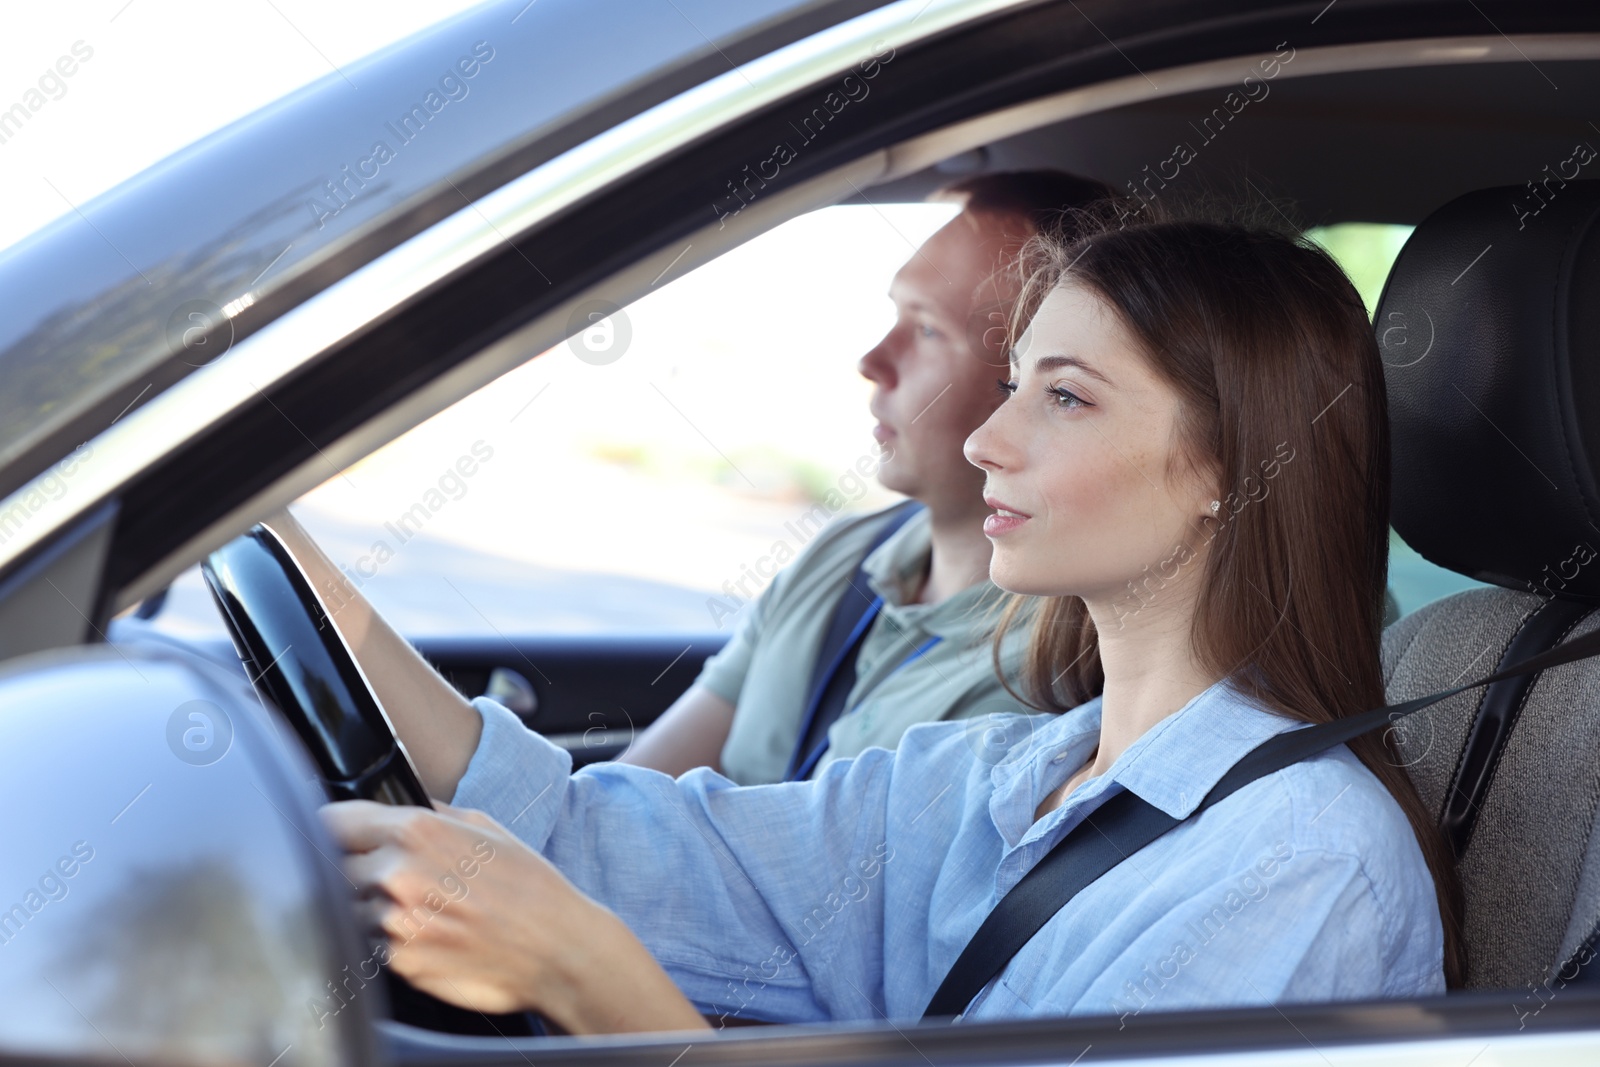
column 881, row 433
column 1004, row 520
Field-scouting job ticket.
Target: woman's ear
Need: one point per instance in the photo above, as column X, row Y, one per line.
column 1209, row 501
column 1209, row 507
column 1214, row 504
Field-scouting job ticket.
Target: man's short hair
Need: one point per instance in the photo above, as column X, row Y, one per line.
column 1041, row 197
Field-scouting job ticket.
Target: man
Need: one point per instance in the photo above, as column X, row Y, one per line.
column 881, row 622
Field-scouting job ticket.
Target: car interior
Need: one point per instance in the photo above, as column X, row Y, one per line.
column 1506, row 393
column 1489, row 327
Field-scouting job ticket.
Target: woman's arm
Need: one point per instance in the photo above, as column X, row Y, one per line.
column 761, row 902
column 689, row 734
column 475, row 917
column 435, row 723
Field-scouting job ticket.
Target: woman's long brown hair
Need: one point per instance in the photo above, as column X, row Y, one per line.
column 1270, row 350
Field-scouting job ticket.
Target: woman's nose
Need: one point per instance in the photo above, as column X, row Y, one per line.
column 986, row 447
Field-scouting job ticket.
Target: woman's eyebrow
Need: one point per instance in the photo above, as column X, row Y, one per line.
column 1047, row 363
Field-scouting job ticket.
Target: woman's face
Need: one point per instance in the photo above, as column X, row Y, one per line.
column 1089, row 497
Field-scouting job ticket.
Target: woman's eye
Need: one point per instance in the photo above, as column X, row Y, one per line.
column 1067, row 399
column 1005, row 386
column 927, row 331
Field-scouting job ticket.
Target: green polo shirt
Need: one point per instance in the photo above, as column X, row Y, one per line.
column 765, row 669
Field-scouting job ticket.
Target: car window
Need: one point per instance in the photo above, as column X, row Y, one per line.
column 1366, row 251
column 632, row 478
column 122, row 287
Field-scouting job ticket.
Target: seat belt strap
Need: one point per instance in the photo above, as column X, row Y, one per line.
column 833, row 674
column 1126, row 823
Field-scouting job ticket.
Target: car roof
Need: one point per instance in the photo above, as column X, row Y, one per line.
column 1376, row 145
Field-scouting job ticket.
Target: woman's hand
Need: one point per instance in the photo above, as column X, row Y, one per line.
column 475, row 917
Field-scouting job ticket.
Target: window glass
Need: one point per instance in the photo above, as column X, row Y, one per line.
column 622, row 480
column 626, row 488
column 1366, row 251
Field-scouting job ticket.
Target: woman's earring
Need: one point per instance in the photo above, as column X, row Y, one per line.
column 1216, row 506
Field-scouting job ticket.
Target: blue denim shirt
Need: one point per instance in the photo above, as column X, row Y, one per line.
column 849, row 896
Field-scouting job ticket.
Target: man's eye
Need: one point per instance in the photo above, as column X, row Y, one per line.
column 1006, row 386
column 927, row 331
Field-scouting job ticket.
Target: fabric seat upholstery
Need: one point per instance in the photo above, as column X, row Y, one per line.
column 1531, row 872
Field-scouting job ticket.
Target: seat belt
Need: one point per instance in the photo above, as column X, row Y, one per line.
column 1126, row 823
column 834, row 673
column 1489, row 729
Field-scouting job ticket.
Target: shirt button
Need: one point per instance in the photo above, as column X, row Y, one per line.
column 1059, row 757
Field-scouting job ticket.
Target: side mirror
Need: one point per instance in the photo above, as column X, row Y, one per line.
column 166, row 892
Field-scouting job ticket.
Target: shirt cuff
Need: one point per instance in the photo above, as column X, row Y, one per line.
column 515, row 775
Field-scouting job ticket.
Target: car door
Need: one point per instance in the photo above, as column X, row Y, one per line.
column 590, row 694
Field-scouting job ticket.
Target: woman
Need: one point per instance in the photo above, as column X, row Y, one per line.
column 1191, row 470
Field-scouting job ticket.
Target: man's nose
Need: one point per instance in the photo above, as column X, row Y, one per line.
column 878, row 363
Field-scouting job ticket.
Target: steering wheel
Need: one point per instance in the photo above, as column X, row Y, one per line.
column 297, row 658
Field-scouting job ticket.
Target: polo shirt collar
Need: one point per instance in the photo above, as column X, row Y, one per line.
column 895, row 566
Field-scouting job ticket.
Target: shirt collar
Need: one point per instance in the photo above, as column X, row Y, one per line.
column 896, row 567
column 1172, row 766
column 1177, row 762
column 897, row 564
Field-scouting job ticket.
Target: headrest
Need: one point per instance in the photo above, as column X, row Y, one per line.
column 1489, row 327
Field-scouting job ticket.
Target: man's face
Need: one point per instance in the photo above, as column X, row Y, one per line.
column 936, row 370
